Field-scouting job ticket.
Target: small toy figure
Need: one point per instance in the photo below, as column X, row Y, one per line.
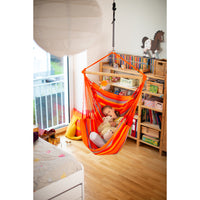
column 153, row 45
column 115, row 79
column 103, row 84
column 123, row 66
column 116, row 65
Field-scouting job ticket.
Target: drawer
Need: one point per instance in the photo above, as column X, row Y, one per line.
column 72, row 194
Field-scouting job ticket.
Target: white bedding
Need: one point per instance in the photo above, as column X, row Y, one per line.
column 52, row 164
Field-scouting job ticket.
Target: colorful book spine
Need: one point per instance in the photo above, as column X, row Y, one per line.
column 159, row 119
column 134, row 128
column 154, row 117
column 117, row 60
column 129, row 62
column 132, row 60
column 152, row 63
column 130, row 131
column 139, row 62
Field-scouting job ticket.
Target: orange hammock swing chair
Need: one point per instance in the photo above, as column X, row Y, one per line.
column 95, row 98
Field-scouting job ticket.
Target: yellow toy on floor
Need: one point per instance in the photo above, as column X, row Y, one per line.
column 72, row 128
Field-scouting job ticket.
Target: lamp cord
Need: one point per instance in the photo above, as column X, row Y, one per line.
column 113, row 23
column 113, row 33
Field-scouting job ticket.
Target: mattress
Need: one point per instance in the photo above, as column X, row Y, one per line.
column 52, row 164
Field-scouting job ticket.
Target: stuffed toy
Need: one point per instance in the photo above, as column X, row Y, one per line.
column 108, row 134
column 105, row 129
column 104, row 84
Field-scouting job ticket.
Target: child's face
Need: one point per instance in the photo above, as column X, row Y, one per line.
column 110, row 112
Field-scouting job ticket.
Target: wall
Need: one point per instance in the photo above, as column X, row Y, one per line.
column 79, row 62
column 134, row 20
column 103, row 45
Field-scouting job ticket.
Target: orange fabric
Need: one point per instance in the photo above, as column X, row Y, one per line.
column 96, row 62
column 78, row 128
column 94, row 99
column 78, row 114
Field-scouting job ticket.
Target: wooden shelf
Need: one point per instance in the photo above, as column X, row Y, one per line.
column 133, row 74
column 153, row 94
column 130, row 136
column 132, row 71
column 154, row 109
column 112, row 74
column 128, row 71
column 117, row 84
column 153, row 126
column 151, row 75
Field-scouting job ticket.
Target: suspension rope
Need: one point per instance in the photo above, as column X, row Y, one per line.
column 113, row 32
column 113, row 23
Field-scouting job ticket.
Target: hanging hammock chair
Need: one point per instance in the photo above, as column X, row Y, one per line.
column 95, row 98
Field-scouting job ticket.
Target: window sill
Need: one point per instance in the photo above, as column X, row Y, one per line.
column 61, row 130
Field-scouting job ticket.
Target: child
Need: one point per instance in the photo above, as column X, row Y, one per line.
column 110, row 111
column 107, row 111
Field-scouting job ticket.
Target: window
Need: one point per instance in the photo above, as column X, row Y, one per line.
column 50, row 89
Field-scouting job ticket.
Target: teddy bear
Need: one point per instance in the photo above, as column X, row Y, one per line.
column 105, row 128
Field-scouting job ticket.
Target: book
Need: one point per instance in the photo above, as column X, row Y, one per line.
column 154, row 117
column 134, row 128
column 153, row 89
column 130, row 131
column 159, row 119
column 150, row 115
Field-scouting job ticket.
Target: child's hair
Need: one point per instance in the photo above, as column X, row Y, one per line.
column 116, row 112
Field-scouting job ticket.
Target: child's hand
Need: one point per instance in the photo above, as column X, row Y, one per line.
column 113, row 124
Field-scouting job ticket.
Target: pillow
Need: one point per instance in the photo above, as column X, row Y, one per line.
column 71, row 129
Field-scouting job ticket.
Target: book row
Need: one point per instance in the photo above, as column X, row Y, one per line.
column 151, row 116
column 137, row 61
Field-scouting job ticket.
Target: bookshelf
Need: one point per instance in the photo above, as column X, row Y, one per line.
column 162, row 129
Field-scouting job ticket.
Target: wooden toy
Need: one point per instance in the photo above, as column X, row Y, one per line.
column 152, row 45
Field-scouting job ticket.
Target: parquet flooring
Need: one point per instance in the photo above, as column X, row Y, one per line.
column 135, row 173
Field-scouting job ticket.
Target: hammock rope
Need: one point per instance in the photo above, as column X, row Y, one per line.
column 95, row 98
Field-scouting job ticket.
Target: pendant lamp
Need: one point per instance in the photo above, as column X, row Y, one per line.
column 66, row 27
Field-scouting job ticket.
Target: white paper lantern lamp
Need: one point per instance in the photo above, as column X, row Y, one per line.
column 66, row 27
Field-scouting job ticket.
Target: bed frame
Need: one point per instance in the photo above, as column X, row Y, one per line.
column 68, row 188
column 71, row 187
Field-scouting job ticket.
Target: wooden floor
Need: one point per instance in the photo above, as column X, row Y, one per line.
column 135, row 173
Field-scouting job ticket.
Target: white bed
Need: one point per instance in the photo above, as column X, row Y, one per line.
column 57, row 174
